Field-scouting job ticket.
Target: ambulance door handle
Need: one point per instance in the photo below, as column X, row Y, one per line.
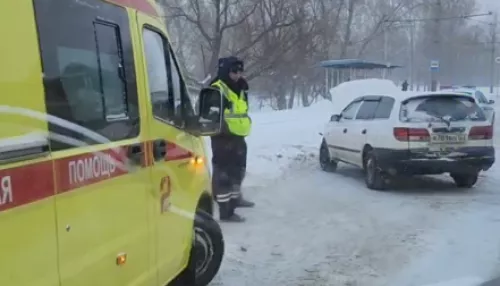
column 159, row 149
column 136, row 153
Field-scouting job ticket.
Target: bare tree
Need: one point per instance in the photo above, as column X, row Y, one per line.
column 282, row 41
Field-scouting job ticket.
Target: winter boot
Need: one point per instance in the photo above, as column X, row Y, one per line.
column 233, row 218
column 242, row 203
column 227, row 214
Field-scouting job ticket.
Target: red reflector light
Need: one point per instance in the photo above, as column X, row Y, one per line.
column 411, row 134
column 481, row 133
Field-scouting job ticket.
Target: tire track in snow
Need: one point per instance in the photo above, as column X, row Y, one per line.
column 313, row 228
column 315, row 222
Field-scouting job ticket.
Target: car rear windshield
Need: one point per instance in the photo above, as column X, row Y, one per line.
column 439, row 108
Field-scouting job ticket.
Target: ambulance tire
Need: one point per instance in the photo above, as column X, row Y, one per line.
column 208, row 248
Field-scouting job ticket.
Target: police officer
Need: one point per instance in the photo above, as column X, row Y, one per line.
column 229, row 148
column 243, row 203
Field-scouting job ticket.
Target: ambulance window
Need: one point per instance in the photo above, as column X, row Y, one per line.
column 167, row 90
column 89, row 73
column 158, row 79
column 112, row 71
column 182, row 101
column 176, row 82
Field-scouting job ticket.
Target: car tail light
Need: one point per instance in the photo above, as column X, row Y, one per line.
column 411, row 134
column 481, row 133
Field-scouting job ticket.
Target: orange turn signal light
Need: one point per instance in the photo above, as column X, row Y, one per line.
column 121, row 259
column 197, row 161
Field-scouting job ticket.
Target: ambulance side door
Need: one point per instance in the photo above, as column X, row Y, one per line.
column 171, row 147
column 97, row 143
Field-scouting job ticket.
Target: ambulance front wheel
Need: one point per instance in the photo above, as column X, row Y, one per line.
column 208, row 248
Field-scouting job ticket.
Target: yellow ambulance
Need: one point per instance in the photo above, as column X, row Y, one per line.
column 103, row 175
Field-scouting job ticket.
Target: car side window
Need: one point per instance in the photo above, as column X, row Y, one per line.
column 169, row 98
column 367, row 110
column 480, row 98
column 182, row 100
column 384, row 108
column 350, row 110
column 89, row 76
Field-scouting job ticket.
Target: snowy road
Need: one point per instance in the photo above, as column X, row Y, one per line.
column 328, row 229
column 316, row 228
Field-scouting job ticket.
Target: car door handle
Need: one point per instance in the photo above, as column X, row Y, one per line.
column 345, row 130
column 364, row 131
column 136, row 153
column 159, row 149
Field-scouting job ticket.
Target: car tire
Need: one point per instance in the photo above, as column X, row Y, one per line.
column 326, row 163
column 374, row 176
column 465, row 180
column 207, row 251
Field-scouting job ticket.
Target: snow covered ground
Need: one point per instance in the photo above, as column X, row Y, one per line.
column 315, row 228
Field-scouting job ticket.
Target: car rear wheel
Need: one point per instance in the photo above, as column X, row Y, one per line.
column 326, row 163
column 374, row 177
column 465, row 180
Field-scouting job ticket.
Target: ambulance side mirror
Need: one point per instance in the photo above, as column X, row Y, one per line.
column 210, row 111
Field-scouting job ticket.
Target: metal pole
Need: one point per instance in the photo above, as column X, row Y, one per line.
column 436, row 44
column 412, row 54
column 493, row 51
column 327, row 83
column 385, row 51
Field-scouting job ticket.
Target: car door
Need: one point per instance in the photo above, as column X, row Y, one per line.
column 483, row 102
column 97, row 143
column 380, row 130
column 345, row 124
column 171, row 171
column 360, row 127
column 332, row 133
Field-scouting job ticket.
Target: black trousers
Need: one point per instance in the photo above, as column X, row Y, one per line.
column 229, row 160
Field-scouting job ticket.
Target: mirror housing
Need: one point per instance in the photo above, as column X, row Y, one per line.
column 209, row 113
column 491, row 101
column 335, row 117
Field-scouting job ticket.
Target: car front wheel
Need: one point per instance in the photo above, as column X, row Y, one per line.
column 326, row 163
column 207, row 250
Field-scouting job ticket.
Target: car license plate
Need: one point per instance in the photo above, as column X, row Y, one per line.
column 448, row 138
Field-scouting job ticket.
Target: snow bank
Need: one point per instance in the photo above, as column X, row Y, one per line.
column 467, row 281
column 280, row 139
column 345, row 92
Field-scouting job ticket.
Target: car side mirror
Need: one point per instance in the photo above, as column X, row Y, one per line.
column 491, row 101
column 208, row 118
column 335, row 117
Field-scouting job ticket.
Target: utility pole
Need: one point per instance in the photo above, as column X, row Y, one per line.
column 493, row 51
column 436, row 50
column 412, row 55
column 435, row 40
column 385, row 51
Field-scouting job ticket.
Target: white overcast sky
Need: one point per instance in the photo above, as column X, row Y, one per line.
column 490, row 5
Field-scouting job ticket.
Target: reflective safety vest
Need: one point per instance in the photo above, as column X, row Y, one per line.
column 236, row 117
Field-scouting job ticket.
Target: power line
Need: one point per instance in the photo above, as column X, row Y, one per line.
column 439, row 19
column 481, row 22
